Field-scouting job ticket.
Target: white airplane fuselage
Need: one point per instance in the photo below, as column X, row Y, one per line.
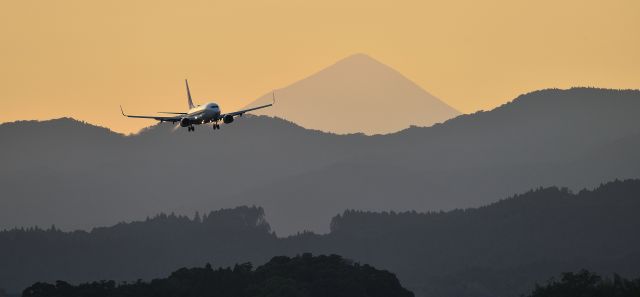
column 202, row 114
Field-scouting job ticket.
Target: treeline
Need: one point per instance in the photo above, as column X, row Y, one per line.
column 304, row 276
column 588, row 284
column 308, row 276
column 501, row 249
column 128, row 251
column 504, row 248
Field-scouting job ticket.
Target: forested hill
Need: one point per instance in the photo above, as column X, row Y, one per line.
column 80, row 176
column 497, row 250
column 128, row 251
column 501, row 249
column 305, row 275
column 586, row 283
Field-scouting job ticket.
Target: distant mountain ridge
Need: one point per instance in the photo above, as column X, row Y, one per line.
column 87, row 176
column 357, row 94
column 500, row 249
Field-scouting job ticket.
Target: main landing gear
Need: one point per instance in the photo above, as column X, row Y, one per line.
column 216, row 126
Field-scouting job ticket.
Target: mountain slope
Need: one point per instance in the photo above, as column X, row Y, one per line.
column 499, row 249
column 575, row 138
column 75, row 175
column 357, row 94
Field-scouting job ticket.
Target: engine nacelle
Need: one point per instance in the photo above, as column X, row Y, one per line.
column 227, row 119
column 184, row 122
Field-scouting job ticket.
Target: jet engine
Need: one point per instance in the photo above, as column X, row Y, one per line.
column 227, row 119
column 184, row 122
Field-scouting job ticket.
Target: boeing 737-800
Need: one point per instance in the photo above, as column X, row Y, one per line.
column 199, row 114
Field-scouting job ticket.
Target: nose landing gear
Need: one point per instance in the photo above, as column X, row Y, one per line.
column 216, row 126
column 191, row 128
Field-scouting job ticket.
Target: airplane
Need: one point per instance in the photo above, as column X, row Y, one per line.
column 199, row 114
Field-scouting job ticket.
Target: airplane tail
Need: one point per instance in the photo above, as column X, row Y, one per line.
column 191, row 105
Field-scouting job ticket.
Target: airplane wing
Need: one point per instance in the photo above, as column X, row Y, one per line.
column 241, row 112
column 170, row 112
column 173, row 119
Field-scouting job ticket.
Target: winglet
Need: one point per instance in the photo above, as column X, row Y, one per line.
column 122, row 111
column 273, row 96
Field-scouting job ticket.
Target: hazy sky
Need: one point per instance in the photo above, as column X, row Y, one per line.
column 83, row 58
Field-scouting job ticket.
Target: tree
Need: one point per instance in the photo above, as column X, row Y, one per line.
column 587, row 284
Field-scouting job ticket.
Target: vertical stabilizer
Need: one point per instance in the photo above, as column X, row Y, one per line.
column 191, row 105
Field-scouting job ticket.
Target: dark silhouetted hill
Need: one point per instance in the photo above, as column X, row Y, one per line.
column 80, row 176
column 585, row 283
column 128, row 251
column 501, row 249
column 321, row 276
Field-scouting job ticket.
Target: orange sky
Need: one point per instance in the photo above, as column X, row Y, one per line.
column 83, row 58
